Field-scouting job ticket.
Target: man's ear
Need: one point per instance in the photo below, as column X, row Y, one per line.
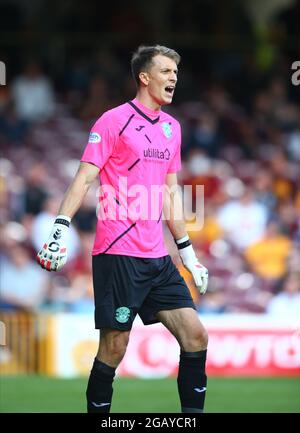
column 144, row 77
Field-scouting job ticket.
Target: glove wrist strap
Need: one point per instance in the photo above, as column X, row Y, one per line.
column 63, row 220
column 183, row 242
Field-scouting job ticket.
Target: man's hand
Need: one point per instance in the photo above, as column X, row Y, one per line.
column 53, row 255
column 192, row 264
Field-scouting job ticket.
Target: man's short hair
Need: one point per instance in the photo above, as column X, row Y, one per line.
column 142, row 58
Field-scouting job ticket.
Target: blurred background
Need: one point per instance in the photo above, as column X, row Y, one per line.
column 67, row 63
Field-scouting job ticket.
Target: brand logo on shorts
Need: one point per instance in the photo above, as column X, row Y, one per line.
column 122, row 314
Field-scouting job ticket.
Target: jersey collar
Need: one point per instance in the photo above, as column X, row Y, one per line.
column 140, row 109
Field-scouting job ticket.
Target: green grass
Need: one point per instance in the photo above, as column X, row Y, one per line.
column 42, row 394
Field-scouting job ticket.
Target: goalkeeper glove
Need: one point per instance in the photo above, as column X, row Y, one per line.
column 192, row 264
column 53, row 255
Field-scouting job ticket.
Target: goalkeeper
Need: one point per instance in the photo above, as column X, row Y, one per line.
column 138, row 144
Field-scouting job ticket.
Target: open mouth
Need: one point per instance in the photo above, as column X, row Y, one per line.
column 170, row 89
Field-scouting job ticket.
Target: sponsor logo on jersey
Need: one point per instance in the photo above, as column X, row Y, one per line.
column 94, row 137
column 157, row 154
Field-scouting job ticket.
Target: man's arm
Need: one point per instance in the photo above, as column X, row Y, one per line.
column 76, row 192
column 53, row 255
column 173, row 213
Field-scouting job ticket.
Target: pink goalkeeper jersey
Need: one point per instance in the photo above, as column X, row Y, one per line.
column 134, row 148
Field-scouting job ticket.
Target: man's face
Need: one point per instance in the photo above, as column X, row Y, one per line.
column 161, row 79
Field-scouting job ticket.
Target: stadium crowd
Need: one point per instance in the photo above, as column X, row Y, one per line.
column 245, row 151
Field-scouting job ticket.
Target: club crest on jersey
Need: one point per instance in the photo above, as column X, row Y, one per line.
column 94, row 137
column 167, row 129
column 122, row 314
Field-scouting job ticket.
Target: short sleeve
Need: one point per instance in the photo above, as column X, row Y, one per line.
column 175, row 163
column 101, row 142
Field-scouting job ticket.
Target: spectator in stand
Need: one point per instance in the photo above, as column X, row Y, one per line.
column 97, row 101
column 23, row 286
column 214, row 303
column 243, row 220
column 204, row 134
column 35, row 193
column 287, row 302
column 294, row 257
column 285, row 175
column 263, row 189
column 12, row 128
column 289, row 217
column 33, row 95
column 268, row 256
column 210, row 231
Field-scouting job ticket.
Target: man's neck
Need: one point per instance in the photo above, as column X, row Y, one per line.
column 148, row 102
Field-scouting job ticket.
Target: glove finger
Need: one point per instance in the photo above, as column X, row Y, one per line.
column 43, row 255
column 64, row 260
column 197, row 279
column 52, row 267
column 59, row 266
column 60, row 263
column 201, row 279
column 204, row 286
column 56, row 264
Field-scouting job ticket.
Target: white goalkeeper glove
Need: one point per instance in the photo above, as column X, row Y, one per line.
column 53, row 255
column 192, row 264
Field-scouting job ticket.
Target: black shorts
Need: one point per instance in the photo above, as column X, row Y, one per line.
column 125, row 286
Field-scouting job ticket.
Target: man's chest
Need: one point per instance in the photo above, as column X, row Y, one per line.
column 150, row 143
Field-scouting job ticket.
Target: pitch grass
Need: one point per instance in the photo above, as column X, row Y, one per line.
column 42, row 394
